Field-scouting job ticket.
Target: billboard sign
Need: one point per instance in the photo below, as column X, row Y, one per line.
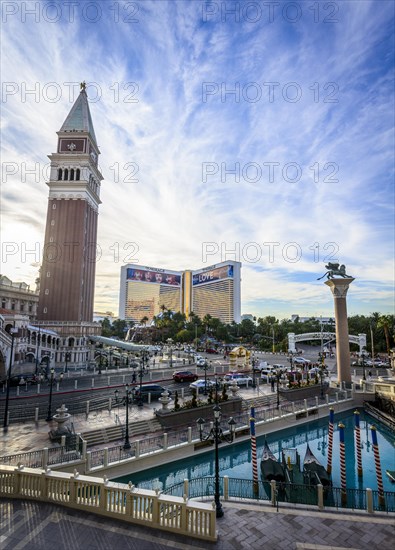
column 212, row 275
column 149, row 276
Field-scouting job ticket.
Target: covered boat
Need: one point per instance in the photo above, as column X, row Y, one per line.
column 313, row 471
column 270, row 467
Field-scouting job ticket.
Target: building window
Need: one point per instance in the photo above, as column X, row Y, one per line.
column 72, row 174
column 47, row 291
column 13, row 306
column 52, row 222
column 3, row 304
column 45, row 310
column 66, row 174
column 48, row 273
column 30, row 308
column 22, row 307
column 60, row 173
column 78, row 174
column 54, row 206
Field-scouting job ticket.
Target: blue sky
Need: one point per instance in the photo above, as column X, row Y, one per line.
column 292, row 168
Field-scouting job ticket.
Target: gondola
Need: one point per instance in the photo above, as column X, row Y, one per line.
column 270, row 467
column 313, row 471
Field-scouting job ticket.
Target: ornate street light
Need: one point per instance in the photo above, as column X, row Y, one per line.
column 144, row 355
column 128, row 392
column 278, row 376
column 216, row 435
column 205, row 367
column 253, row 372
column 13, row 332
column 49, row 414
column 67, row 359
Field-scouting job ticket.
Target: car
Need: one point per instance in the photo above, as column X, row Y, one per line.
column 184, row 376
column 200, row 362
column 201, row 383
column 155, row 390
column 211, row 350
column 301, row 361
column 268, row 372
column 241, row 378
column 21, row 379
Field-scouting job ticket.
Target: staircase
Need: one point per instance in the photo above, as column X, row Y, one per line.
column 259, row 401
column 117, row 432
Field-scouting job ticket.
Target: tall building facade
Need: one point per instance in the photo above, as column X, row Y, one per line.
column 145, row 290
column 68, row 269
column 67, row 275
column 213, row 290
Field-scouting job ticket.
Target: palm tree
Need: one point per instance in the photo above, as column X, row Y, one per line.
column 384, row 323
column 144, row 320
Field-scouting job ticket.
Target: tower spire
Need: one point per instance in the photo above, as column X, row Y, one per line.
column 79, row 118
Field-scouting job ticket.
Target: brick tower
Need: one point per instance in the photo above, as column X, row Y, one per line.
column 69, row 257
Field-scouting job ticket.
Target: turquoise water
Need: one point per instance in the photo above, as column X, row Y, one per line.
column 235, row 460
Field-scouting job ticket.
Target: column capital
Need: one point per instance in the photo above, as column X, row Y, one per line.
column 339, row 287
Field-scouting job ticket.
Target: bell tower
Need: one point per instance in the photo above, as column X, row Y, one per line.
column 69, row 255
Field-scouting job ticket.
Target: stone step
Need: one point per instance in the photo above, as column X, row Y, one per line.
column 117, row 432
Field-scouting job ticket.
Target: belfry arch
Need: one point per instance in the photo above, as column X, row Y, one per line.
column 326, row 337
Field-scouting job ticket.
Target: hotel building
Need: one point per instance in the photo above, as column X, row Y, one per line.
column 213, row 290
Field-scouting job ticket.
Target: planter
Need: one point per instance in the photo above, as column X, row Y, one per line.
column 294, row 394
column 183, row 417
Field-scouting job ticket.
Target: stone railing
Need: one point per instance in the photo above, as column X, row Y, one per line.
column 115, row 500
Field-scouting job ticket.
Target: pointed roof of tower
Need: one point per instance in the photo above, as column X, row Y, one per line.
column 79, row 118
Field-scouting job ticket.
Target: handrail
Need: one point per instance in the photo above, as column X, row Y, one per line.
column 115, row 500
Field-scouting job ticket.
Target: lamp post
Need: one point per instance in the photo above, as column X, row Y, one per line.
column 363, row 366
column 291, row 359
column 278, row 376
column 143, row 358
column 67, row 359
column 13, row 332
column 49, row 414
column 128, row 392
column 37, row 350
column 205, row 367
column 169, row 343
column 216, row 435
column 253, row 372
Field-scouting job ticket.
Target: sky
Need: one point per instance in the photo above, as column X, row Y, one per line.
column 260, row 132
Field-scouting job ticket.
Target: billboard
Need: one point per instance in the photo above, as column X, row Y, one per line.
column 209, row 276
column 148, row 276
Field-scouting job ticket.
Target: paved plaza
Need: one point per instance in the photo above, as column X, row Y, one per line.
column 36, row 526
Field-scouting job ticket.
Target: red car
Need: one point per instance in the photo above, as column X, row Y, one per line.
column 185, row 376
column 211, row 350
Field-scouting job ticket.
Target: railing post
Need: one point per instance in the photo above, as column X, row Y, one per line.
column 93, row 383
column 293, row 407
column 337, row 397
column 63, row 441
column 38, row 388
column 280, row 411
column 184, row 516
column 149, row 398
column 105, row 457
column 73, row 492
column 186, row 487
column 189, row 434
column 320, row 496
column 108, row 380
column 17, row 390
column 273, row 491
column 155, row 508
column 75, row 384
column 137, row 452
column 103, row 496
column 327, row 398
column 45, row 457
column 316, row 400
column 36, row 411
column 88, row 461
column 182, row 393
column 87, row 408
column 109, row 404
column 84, row 447
column 226, row 487
column 43, row 485
column 164, row 441
column 369, row 501
column 305, row 404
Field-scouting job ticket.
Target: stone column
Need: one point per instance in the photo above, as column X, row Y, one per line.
column 339, row 288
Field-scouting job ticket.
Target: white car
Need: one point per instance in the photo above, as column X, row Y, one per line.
column 241, row 378
column 200, row 384
column 300, row 361
column 200, row 362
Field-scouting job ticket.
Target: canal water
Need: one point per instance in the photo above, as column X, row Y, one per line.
column 236, row 462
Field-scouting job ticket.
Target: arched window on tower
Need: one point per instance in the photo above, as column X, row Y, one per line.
column 72, row 174
column 66, row 174
column 60, row 173
column 78, row 174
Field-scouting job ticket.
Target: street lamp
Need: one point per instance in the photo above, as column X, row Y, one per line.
column 253, row 372
column 363, row 366
column 278, row 376
column 169, row 343
column 13, row 332
column 216, row 435
column 49, row 414
column 291, row 359
column 67, row 359
column 205, row 367
column 126, row 399
column 37, row 350
column 144, row 354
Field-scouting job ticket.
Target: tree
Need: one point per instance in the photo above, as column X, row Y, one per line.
column 385, row 323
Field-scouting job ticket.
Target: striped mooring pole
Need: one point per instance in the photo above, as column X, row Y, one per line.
column 253, row 452
column 342, row 464
column 358, row 443
column 330, row 440
column 378, row 466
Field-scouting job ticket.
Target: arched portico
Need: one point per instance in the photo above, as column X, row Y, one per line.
column 325, row 337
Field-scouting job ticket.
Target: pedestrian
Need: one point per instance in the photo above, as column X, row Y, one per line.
column 370, row 375
column 272, row 382
column 134, row 378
